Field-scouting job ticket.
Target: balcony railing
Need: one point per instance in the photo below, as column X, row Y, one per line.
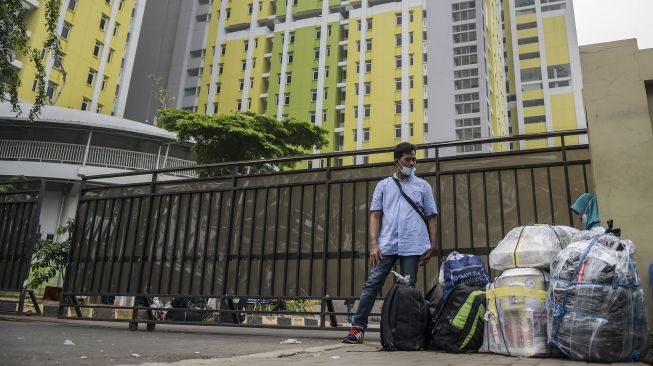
column 64, row 153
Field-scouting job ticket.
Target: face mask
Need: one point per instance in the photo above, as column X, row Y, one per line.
column 407, row 171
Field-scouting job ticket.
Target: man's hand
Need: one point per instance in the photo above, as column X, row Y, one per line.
column 426, row 257
column 375, row 256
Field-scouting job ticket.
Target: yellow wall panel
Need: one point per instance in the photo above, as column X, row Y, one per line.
column 555, row 40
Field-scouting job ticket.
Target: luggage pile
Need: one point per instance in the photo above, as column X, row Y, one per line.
column 595, row 308
column 563, row 292
column 516, row 315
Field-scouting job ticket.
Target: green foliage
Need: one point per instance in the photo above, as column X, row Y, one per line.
column 242, row 136
column 13, row 183
column 14, row 41
column 50, row 257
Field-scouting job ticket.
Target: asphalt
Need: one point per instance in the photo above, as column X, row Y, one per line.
column 42, row 341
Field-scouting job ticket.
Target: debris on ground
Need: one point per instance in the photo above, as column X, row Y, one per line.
column 135, row 355
column 68, row 342
column 335, row 357
column 291, row 341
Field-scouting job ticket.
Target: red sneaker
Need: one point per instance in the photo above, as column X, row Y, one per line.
column 356, row 335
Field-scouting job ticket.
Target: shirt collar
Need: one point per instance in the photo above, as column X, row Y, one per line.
column 408, row 178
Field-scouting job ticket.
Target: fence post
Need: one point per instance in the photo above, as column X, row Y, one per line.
column 566, row 168
column 325, row 244
column 133, row 325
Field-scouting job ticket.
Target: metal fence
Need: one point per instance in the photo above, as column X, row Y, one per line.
column 300, row 234
column 20, row 206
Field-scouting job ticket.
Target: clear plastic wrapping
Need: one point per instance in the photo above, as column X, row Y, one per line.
column 595, row 306
column 515, row 316
column 532, row 246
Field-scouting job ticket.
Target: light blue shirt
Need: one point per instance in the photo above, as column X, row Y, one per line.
column 403, row 231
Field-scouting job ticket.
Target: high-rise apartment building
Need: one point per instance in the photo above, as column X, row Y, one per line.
column 98, row 42
column 371, row 72
column 544, row 73
column 356, row 68
column 467, row 93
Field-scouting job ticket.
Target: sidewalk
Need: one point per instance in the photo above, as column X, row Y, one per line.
column 371, row 354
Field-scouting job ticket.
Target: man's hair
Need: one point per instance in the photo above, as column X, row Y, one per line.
column 404, row 148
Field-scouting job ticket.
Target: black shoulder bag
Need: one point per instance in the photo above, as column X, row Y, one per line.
column 413, row 205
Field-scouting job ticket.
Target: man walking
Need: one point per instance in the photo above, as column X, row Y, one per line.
column 400, row 230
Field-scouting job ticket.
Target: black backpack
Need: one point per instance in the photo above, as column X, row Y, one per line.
column 403, row 319
column 457, row 321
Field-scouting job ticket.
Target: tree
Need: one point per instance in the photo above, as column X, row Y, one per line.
column 50, row 257
column 14, row 41
column 242, row 136
column 161, row 94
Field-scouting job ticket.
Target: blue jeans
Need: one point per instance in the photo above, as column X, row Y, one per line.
column 375, row 280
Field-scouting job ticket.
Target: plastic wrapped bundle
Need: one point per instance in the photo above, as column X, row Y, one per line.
column 595, row 306
column 532, row 246
column 515, row 316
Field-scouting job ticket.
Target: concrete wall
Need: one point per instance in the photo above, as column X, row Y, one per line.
column 621, row 142
column 153, row 57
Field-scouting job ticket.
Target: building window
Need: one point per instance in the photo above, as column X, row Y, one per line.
column 97, row 49
column 85, row 104
column 315, row 74
column 463, row 11
column 464, row 33
column 466, row 79
column 528, row 25
column 91, row 77
column 398, row 40
column 397, row 84
column 220, row 69
column 397, row 107
column 105, row 81
column 368, row 65
column 368, row 87
column 121, row 5
column 366, row 135
column 398, row 19
column 72, row 5
column 466, row 129
column 316, row 53
column 524, row 3
column 534, row 119
column 286, row 99
column 65, row 30
column 116, row 29
column 110, row 56
column 228, row 13
column 239, row 104
column 466, row 55
column 51, row 90
column 533, row 103
column 398, row 62
column 559, row 71
column 528, row 40
column 531, row 75
column 58, row 61
column 314, row 95
column 367, row 111
column 103, row 22
column 529, row 55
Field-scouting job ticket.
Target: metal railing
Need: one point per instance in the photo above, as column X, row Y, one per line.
column 301, row 234
column 65, row 153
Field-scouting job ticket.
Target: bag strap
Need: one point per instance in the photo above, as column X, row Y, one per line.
column 411, row 203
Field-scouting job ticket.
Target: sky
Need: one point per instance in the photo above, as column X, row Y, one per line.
column 610, row 20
